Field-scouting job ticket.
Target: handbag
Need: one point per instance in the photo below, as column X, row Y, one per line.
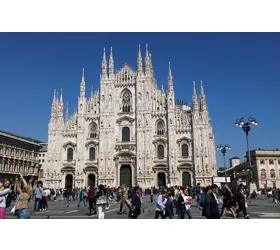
column 13, row 209
column 101, row 200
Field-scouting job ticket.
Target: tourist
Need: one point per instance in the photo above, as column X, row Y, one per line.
column 184, row 204
column 240, row 198
column 38, row 193
column 24, row 196
column 82, row 198
column 159, row 205
column 227, row 201
column 210, row 205
column 124, row 198
column 198, row 192
column 91, row 199
column 101, row 201
column 275, row 196
column 136, row 203
column 4, row 195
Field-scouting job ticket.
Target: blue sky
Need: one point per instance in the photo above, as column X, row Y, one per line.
column 240, row 71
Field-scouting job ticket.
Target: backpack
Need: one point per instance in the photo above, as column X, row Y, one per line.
column 9, row 199
column 202, row 197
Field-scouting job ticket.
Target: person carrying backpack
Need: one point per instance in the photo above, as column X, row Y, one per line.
column 6, row 198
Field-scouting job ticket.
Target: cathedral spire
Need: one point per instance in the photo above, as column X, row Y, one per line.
column 61, row 98
column 147, row 61
column 151, row 65
column 54, row 96
column 54, row 106
column 104, row 65
column 170, row 78
column 83, row 85
column 202, row 97
column 111, row 64
column 66, row 115
column 139, row 60
column 194, row 98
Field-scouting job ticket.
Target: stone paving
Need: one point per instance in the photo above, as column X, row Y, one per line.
column 260, row 208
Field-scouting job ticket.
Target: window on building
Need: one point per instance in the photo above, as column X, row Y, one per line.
column 43, row 155
column 43, row 160
column 125, row 134
column 39, row 160
column 262, row 162
column 263, row 171
column 160, row 127
column 271, row 162
column 92, row 154
column 272, row 173
column 40, row 155
column 160, row 150
column 93, row 130
column 126, row 102
column 41, row 173
column 185, row 150
column 70, row 154
column 278, row 162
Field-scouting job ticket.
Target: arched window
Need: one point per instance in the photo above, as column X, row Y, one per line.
column 160, row 151
column 93, row 133
column 160, row 127
column 92, row 154
column 263, row 171
column 125, row 134
column 185, row 150
column 272, row 173
column 126, row 102
column 70, row 154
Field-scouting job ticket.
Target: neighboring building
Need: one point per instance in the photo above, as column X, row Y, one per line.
column 130, row 131
column 18, row 155
column 42, row 158
column 265, row 165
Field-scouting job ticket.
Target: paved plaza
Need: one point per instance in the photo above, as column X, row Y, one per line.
column 260, row 208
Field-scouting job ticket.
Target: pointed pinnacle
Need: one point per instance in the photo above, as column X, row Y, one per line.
column 147, row 51
column 201, row 88
column 111, row 54
column 104, row 55
column 169, row 69
column 83, row 75
column 61, row 99
column 54, row 95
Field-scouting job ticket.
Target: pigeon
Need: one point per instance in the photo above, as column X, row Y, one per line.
column 48, row 217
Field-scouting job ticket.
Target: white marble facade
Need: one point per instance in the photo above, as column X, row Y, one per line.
column 130, row 130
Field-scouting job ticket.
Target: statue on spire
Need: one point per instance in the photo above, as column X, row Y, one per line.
column 104, row 65
column 147, row 61
column 111, row 64
column 66, row 115
column 83, row 85
column 170, row 78
column 194, row 98
column 61, row 98
column 202, row 98
column 139, row 60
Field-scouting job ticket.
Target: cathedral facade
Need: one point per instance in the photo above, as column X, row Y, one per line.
column 130, row 132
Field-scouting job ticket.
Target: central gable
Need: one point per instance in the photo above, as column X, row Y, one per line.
column 126, row 75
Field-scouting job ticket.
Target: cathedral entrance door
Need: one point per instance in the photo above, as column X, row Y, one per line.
column 91, row 179
column 161, row 180
column 69, row 181
column 186, row 179
column 126, row 175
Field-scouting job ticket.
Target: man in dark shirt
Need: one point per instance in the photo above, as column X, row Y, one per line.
column 136, row 203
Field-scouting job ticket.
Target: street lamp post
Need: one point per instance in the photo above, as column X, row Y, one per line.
column 246, row 126
column 223, row 149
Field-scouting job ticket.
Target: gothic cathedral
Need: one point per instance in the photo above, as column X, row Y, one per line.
column 130, row 132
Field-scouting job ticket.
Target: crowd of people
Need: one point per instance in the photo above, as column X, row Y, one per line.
column 170, row 202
